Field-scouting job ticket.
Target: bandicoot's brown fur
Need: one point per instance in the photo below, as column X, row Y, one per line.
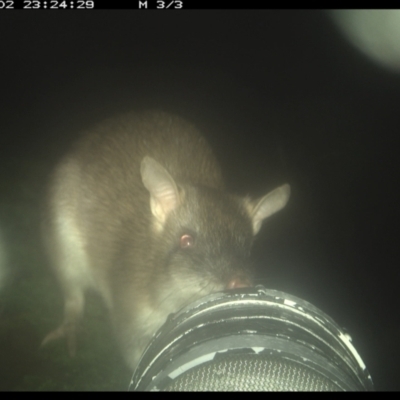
column 137, row 211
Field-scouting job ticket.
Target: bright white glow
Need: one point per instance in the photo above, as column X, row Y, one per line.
column 374, row 32
column 346, row 339
column 290, row 303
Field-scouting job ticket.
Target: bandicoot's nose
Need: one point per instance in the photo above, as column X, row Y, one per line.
column 237, row 283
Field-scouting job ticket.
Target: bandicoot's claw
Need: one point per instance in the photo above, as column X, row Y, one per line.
column 53, row 335
column 62, row 332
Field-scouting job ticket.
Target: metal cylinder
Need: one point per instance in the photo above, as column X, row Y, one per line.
column 252, row 339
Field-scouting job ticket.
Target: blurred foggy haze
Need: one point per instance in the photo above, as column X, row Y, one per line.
column 282, row 96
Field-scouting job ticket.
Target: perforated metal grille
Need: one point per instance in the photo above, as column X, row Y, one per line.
column 251, row 373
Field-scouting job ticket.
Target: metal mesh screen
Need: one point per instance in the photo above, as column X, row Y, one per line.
column 251, row 373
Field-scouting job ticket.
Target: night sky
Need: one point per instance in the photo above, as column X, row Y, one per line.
column 281, row 96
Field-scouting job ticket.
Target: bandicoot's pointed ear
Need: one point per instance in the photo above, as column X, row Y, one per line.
column 164, row 195
column 268, row 205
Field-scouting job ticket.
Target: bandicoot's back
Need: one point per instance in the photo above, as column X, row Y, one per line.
column 137, row 211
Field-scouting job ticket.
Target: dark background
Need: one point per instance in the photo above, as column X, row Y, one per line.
column 281, row 97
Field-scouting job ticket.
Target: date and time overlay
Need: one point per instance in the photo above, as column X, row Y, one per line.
column 97, row 4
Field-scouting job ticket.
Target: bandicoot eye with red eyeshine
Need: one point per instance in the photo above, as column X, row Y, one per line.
column 186, row 241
